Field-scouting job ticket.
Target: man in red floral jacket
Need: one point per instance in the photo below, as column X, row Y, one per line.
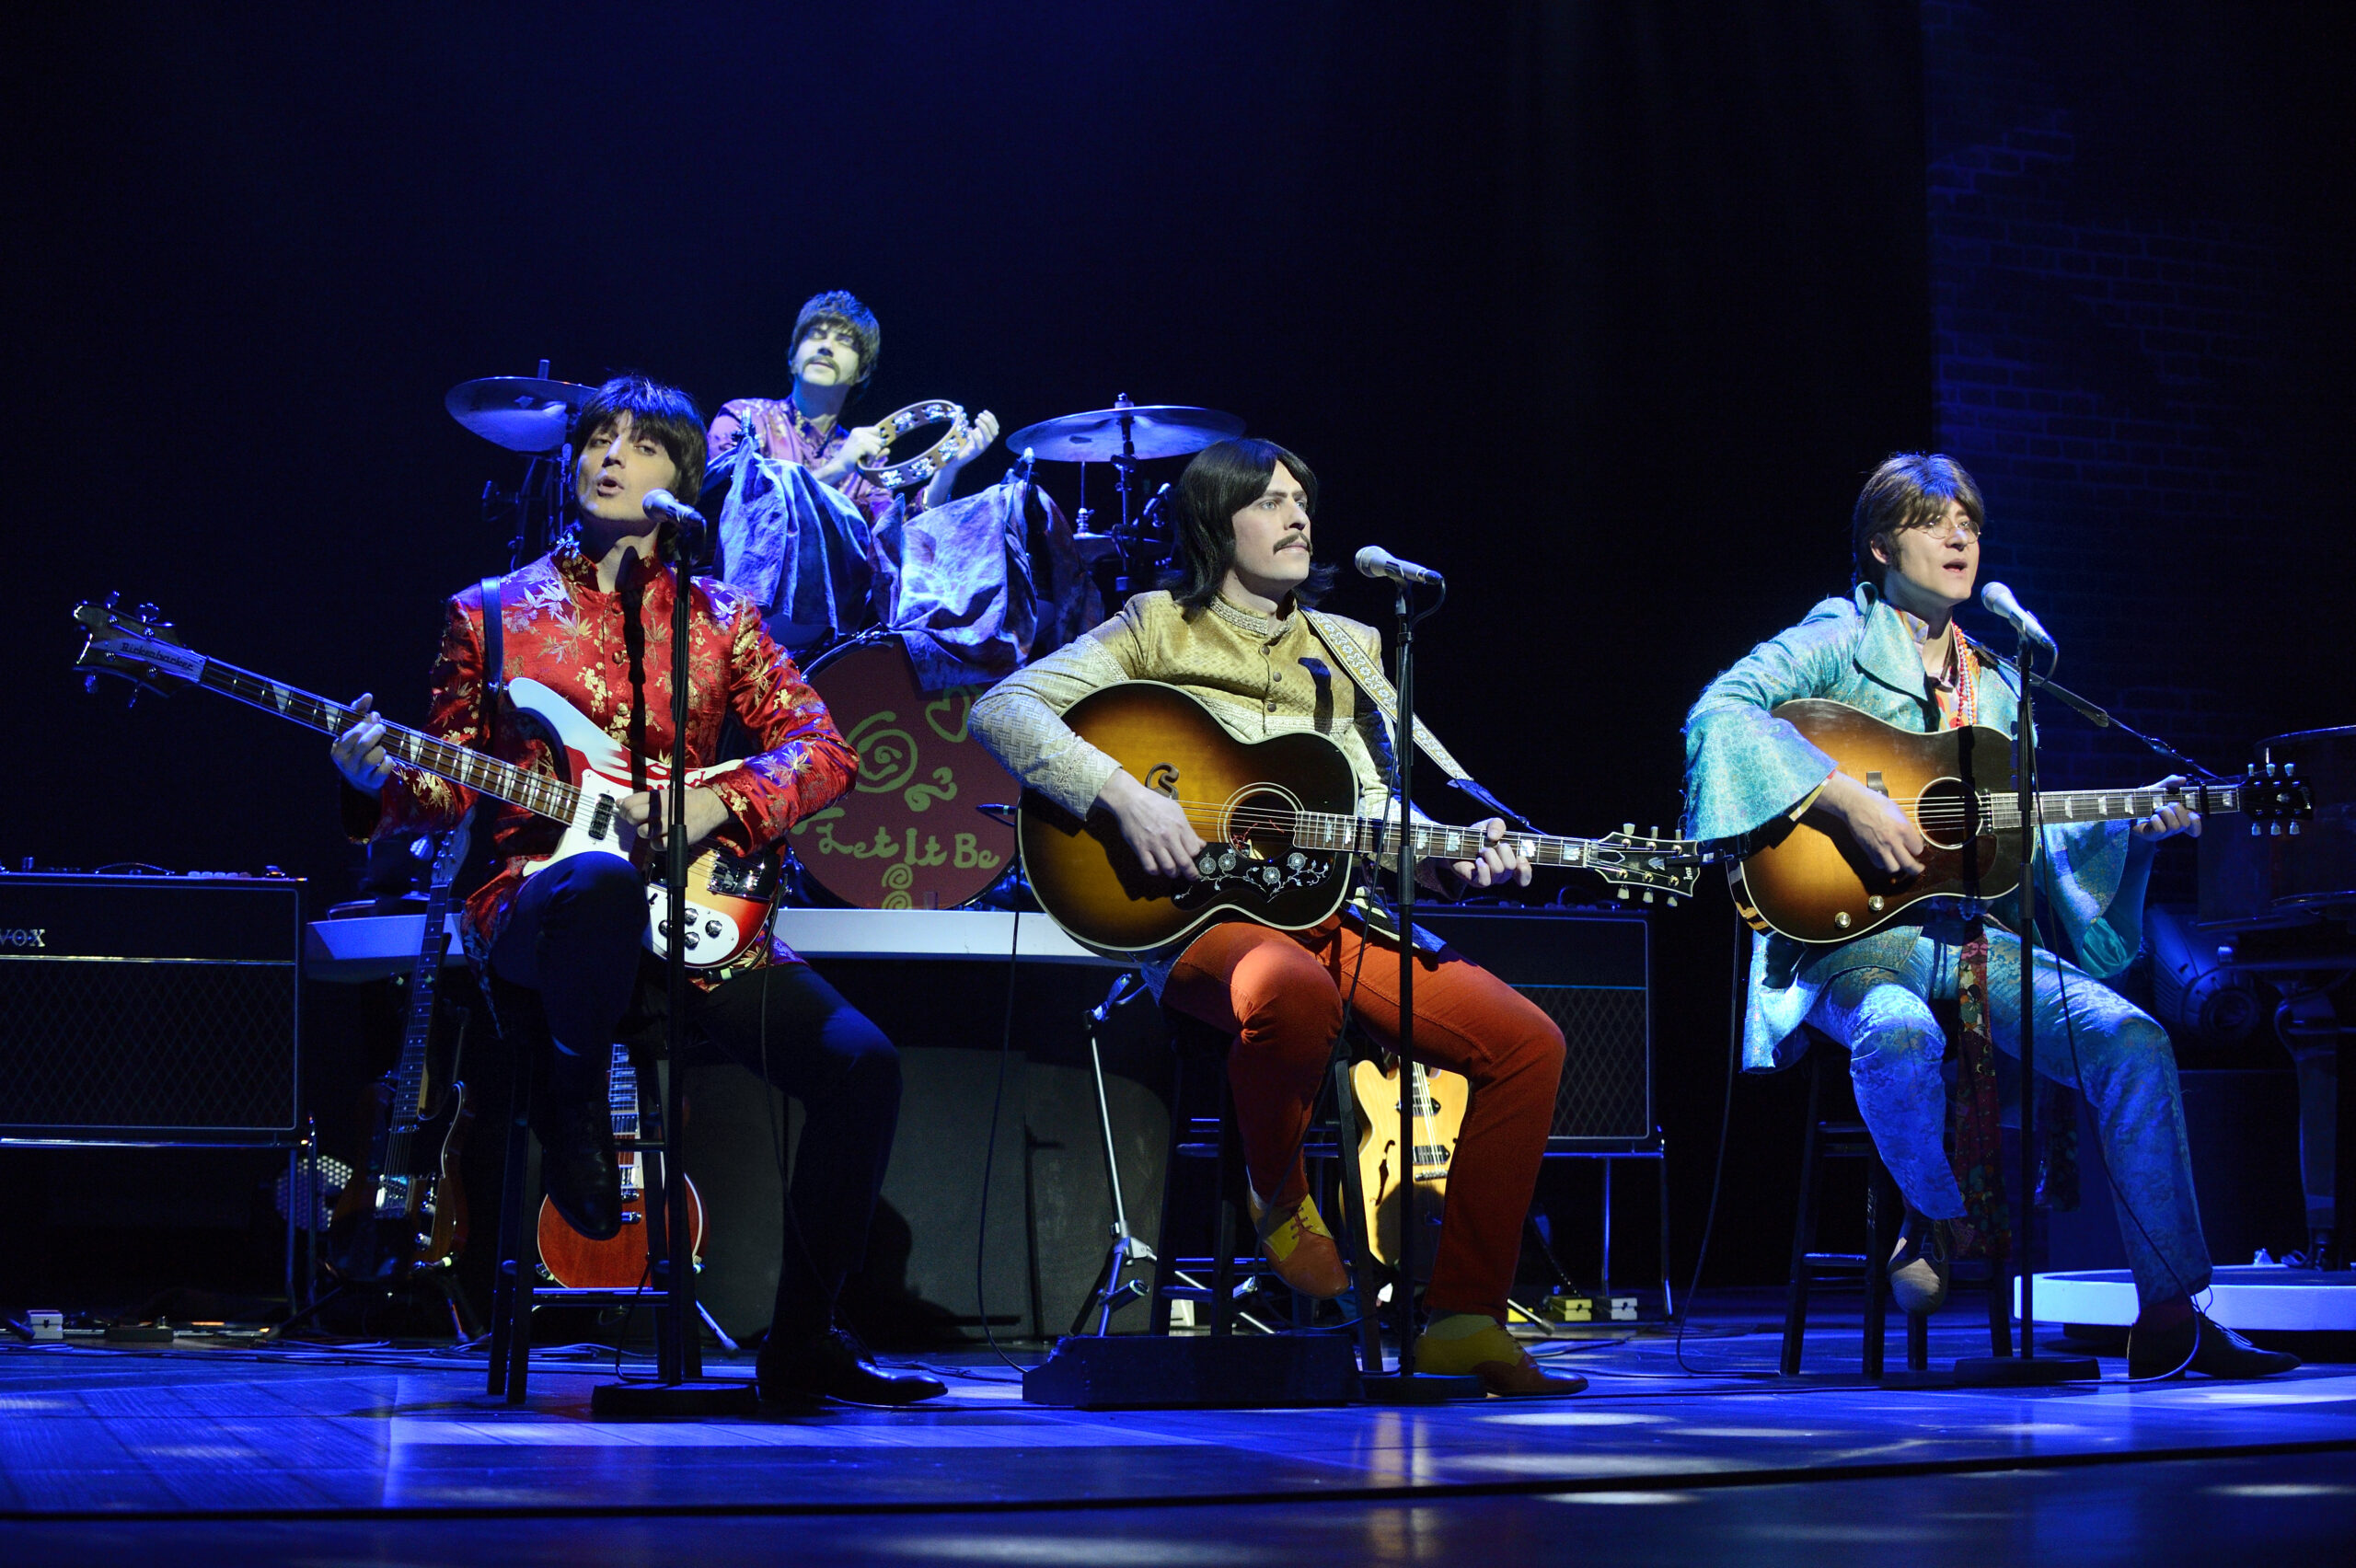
column 573, row 931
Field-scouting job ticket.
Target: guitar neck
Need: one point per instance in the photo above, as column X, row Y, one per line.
column 424, row 982
column 2061, row 806
column 1431, row 841
column 536, row 793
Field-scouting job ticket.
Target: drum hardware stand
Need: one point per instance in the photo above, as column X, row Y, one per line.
column 502, row 410
column 1112, row 1293
column 679, row 1388
column 1403, row 1385
column 2027, row 1368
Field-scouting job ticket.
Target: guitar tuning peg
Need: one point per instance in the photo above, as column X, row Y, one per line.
column 150, row 613
column 1649, row 896
column 1653, row 831
column 1673, row 901
column 1624, row 893
column 2257, row 830
column 2274, row 830
column 1629, row 828
column 112, row 597
column 2295, row 827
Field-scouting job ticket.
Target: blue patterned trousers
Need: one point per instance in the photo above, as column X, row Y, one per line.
column 2087, row 1037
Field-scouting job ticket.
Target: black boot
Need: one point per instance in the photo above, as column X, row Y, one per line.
column 2160, row 1353
column 577, row 1163
column 834, row 1364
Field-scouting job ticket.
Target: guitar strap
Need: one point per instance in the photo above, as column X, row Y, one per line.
column 494, row 644
column 1385, row 697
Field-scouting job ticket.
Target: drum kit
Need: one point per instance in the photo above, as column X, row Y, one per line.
column 909, row 835
column 1124, row 436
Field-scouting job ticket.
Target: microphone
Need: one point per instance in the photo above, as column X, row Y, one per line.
column 1376, row 561
column 1999, row 599
column 662, row 506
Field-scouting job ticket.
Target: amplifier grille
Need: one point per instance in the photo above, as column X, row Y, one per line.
column 189, row 1046
column 1606, row 1088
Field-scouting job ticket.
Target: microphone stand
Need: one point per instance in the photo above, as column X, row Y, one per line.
column 1405, row 1386
column 679, row 1388
column 2101, row 720
column 2008, row 1371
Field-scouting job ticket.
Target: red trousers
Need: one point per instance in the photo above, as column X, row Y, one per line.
column 1280, row 995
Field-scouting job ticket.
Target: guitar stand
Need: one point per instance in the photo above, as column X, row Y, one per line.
column 1110, row 1292
column 464, row 1325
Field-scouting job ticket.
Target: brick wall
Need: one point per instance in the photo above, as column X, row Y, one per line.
column 2106, row 334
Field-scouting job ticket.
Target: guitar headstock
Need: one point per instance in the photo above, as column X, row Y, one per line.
column 138, row 646
column 451, row 853
column 2276, row 800
column 1657, row 866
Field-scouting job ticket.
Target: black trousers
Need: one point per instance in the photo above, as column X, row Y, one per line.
column 574, row 940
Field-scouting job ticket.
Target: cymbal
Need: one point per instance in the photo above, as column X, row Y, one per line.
column 1162, row 429
column 519, row 412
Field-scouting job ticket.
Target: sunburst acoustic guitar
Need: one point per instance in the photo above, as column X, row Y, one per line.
column 1280, row 826
column 1811, row 883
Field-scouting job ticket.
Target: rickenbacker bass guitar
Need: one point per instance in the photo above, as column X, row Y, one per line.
column 407, row 1210
column 730, row 897
column 618, row 1262
column 1280, row 826
column 1813, row 883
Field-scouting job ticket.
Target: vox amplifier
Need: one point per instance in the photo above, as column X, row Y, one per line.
column 1591, row 971
column 149, row 1009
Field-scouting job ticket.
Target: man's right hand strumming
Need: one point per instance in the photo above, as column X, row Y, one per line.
column 358, row 753
column 1880, row 827
column 1154, row 825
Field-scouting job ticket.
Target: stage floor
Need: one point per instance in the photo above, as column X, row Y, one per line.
column 225, row 1453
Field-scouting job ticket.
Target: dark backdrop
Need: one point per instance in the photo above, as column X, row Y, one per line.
column 1601, row 310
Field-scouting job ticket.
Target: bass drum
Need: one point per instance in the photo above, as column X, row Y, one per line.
column 907, row 835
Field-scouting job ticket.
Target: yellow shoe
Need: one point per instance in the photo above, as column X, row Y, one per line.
column 1496, row 1358
column 1300, row 1248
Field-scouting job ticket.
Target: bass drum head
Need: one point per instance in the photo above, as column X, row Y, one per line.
column 908, row 835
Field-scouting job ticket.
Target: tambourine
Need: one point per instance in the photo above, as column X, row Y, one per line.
column 916, row 470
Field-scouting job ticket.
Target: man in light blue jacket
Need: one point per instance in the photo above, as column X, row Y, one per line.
column 1892, row 649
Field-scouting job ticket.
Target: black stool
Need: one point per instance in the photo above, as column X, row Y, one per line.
column 1198, row 1050
column 1847, row 1137
column 515, row 1290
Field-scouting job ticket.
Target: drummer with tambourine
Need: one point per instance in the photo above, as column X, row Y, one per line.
column 836, row 343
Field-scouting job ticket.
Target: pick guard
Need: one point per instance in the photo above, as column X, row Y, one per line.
column 720, row 925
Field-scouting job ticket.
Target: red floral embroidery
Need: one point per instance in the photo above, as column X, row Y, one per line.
column 564, row 632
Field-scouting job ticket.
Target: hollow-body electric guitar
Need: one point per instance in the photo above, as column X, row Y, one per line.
column 1813, row 883
column 1440, row 1098
column 407, row 1210
column 1280, row 826
column 730, row 897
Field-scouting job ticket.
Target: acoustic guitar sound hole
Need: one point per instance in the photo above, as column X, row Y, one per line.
column 1262, row 819
column 1950, row 814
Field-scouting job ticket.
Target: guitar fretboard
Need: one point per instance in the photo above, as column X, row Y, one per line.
column 1373, row 836
column 552, row 798
column 2113, row 806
